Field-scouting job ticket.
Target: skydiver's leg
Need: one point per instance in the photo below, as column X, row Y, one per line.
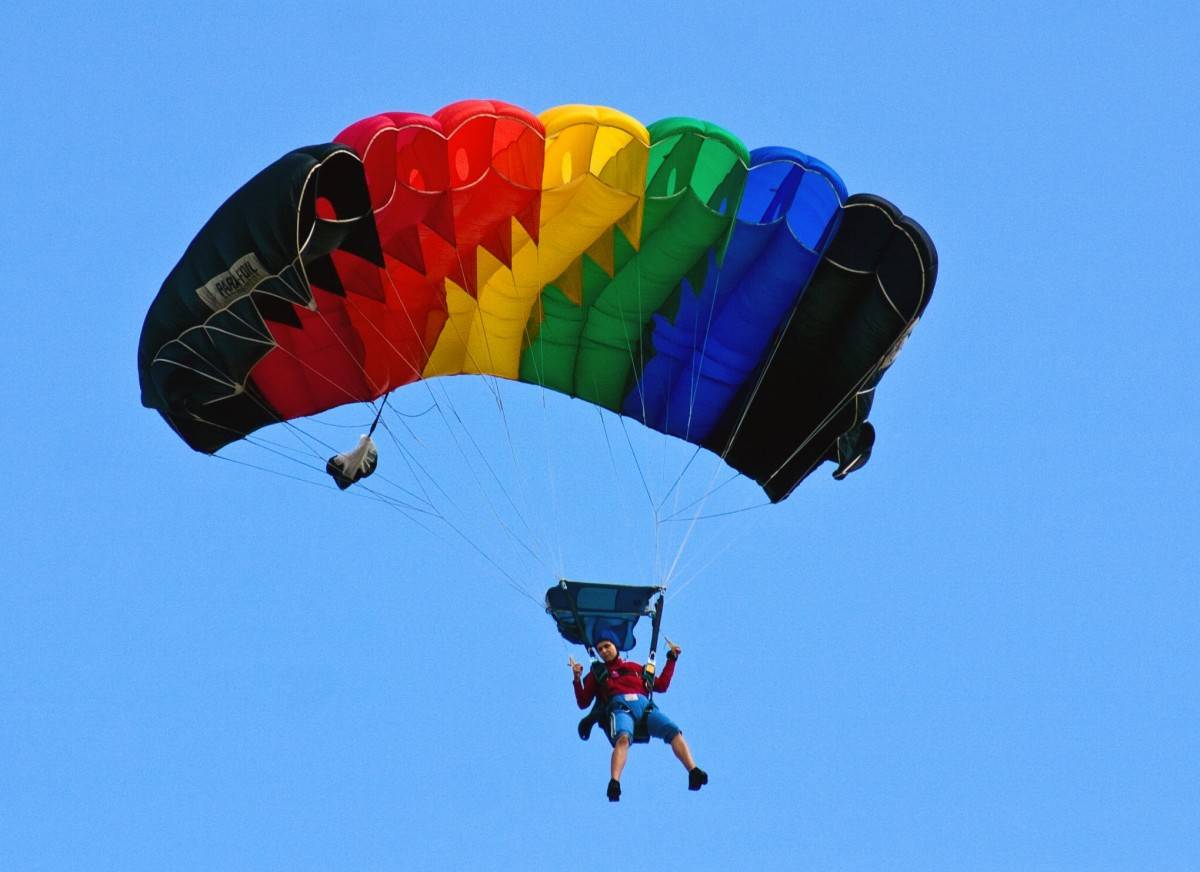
column 664, row 728
column 697, row 777
column 620, row 725
column 619, row 755
column 682, row 752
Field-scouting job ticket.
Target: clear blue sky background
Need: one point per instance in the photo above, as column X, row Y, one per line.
column 980, row 652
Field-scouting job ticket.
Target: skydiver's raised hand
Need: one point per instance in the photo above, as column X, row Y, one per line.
column 673, row 650
column 576, row 668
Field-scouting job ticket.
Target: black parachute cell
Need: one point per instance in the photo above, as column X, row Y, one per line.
column 872, row 285
column 206, row 328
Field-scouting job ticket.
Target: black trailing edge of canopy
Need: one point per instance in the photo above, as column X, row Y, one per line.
column 194, row 359
column 809, row 400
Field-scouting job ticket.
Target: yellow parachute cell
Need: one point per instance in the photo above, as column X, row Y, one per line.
column 593, row 184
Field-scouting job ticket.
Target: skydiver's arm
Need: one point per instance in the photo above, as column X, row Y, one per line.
column 663, row 681
column 585, row 692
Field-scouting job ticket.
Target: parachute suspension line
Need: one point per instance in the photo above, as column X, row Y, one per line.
column 761, row 375
column 414, row 465
column 503, row 489
column 322, row 485
column 725, row 514
column 519, row 469
column 470, row 465
column 692, row 394
column 405, row 510
column 678, row 479
column 492, row 382
column 270, row 471
column 417, row 373
column 299, row 433
column 675, row 516
column 539, row 364
column 299, row 454
column 410, row 459
column 482, row 490
column 548, row 443
column 512, row 582
column 415, row 469
column 375, row 389
column 696, row 573
column 362, row 369
column 284, row 452
column 350, row 397
column 604, row 426
column 400, row 414
column 271, row 413
column 694, row 388
column 737, row 429
column 546, row 451
column 687, row 536
column 379, row 497
column 394, row 504
column 709, row 490
column 436, row 405
column 645, row 487
column 360, row 426
column 638, row 364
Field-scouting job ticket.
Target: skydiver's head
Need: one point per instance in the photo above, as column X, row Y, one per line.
column 606, row 645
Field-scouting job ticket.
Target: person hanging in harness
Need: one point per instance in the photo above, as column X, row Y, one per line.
column 619, row 687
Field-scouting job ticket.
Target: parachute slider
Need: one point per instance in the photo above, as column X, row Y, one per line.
column 358, row 463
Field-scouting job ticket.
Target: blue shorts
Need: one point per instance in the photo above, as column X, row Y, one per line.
column 626, row 708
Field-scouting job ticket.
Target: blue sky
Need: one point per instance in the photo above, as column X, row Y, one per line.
column 980, row 652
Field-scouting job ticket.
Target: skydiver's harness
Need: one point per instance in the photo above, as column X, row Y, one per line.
column 602, row 709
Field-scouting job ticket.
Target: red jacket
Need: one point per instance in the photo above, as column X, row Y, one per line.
column 624, row 676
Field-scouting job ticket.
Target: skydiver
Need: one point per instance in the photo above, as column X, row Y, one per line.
column 622, row 691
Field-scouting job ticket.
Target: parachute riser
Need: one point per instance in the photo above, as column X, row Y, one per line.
column 649, row 669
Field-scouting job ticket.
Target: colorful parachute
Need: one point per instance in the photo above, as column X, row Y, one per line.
column 736, row 299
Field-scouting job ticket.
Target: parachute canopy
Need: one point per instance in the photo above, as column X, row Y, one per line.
column 582, row 609
column 739, row 300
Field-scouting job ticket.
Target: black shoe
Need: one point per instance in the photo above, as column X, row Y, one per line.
column 697, row 778
column 614, row 790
